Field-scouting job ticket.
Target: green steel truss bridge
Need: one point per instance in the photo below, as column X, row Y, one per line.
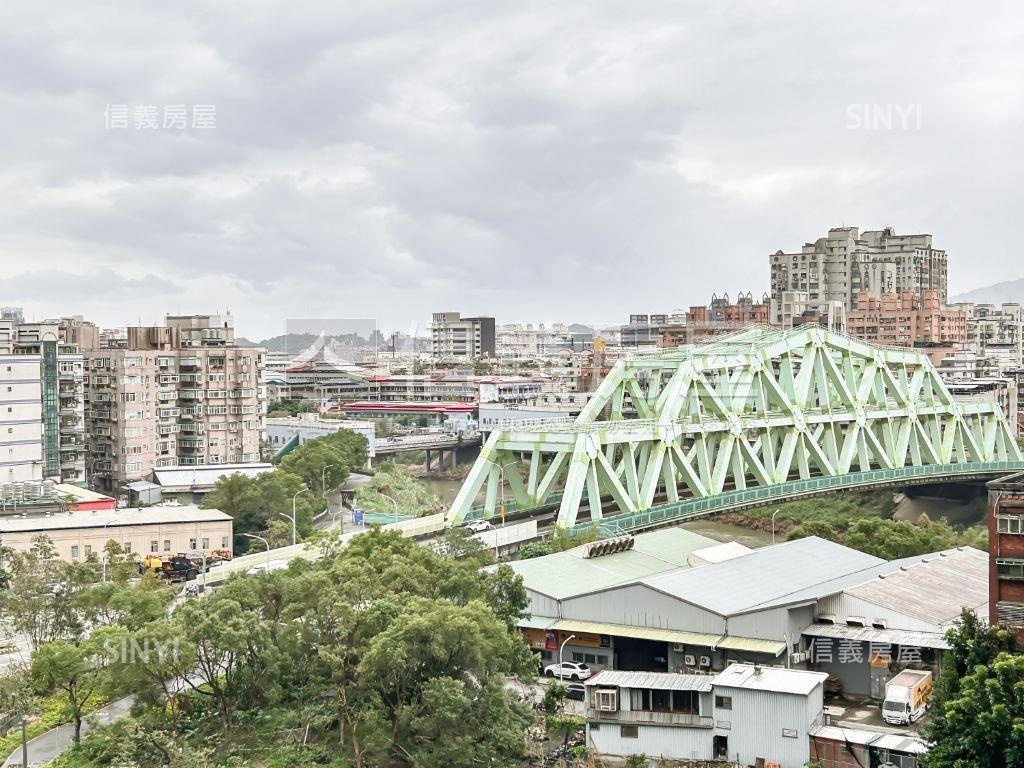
column 745, row 419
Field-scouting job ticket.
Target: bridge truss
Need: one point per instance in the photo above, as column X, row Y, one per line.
column 756, row 408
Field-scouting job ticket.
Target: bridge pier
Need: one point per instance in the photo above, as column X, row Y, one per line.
column 455, row 458
column 427, row 463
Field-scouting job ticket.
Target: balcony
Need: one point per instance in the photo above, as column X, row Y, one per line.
column 644, row 717
column 189, row 363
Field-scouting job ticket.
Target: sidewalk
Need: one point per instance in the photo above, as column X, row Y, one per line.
column 45, row 748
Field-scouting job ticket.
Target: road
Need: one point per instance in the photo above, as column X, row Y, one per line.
column 45, row 748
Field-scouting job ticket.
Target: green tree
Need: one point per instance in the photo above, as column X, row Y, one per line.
column 255, row 502
column 40, row 600
column 818, row 528
column 413, row 497
column 972, row 645
column 309, row 461
column 76, row 671
column 983, row 722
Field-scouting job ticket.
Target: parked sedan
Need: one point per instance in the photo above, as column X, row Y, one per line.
column 568, row 670
column 479, row 526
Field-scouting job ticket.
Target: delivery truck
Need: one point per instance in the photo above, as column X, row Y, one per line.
column 906, row 697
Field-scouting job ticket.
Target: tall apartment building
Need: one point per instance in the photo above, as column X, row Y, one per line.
column 21, row 417
column 463, row 338
column 906, row 319
column 719, row 316
column 52, row 346
column 179, row 394
column 995, row 332
column 846, row 262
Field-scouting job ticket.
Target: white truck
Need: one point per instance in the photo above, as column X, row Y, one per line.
column 906, row 697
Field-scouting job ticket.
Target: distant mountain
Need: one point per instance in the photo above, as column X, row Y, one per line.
column 294, row 343
column 1008, row 291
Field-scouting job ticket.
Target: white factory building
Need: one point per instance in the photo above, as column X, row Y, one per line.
column 747, row 714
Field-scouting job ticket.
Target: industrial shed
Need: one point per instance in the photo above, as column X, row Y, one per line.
column 868, row 631
column 749, row 606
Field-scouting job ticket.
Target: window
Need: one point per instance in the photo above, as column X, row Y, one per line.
column 206, row 544
column 723, row 702
column 127, row 547
column 224, row 542
column 1010, row 524
column 88, row 549
column 154, row 546
column 1010, row 568
column 629, row 731
column 74, row 551
column 167, row 545
column 191, row 543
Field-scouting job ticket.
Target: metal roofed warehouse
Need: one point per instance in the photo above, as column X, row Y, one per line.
column 566, row 574
column 763, row 577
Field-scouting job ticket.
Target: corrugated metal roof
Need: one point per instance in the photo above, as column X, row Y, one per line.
column 641, row 633
column 898, row 742
column 535, row 622
column 113, row 517
column 764, row 576
column 754, row 645
column 204, row 474
column 661, row 681
column 568, row 574
column 901, row 637
column 934, row 589
column 775, row 679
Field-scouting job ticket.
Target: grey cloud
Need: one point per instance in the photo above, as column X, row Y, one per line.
column 534, row 161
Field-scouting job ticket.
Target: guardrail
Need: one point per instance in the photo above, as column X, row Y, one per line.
column 310, row 551
column 693, row 508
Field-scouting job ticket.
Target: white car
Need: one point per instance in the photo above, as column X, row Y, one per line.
column 568, row 670
column 479, row 526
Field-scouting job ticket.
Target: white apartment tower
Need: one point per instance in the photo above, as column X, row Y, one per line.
column 50, row 348
column 454, row 337
column 847, row 261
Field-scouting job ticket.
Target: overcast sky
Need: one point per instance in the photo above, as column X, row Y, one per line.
column 536, row 161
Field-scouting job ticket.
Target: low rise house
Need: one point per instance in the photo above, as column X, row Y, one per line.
column 157, row 529
column 748, row 714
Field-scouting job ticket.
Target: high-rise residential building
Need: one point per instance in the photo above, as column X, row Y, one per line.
column 178, row 394
column 21, row 417
column 995, row 331
column 52, row 347
column 846, row 262
column 907, row 319
column 461, row 338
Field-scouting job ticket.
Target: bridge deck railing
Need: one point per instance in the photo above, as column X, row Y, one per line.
column 693, row 508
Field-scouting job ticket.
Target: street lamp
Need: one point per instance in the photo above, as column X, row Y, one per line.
column 267, row 543
column 570, row 637
column 773, row 525
column 323, row 479
column 501, row 470
column 393, row 502
column 292, row 517
column 105, row 555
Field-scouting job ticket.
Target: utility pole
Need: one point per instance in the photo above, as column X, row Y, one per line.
column 24, row 742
